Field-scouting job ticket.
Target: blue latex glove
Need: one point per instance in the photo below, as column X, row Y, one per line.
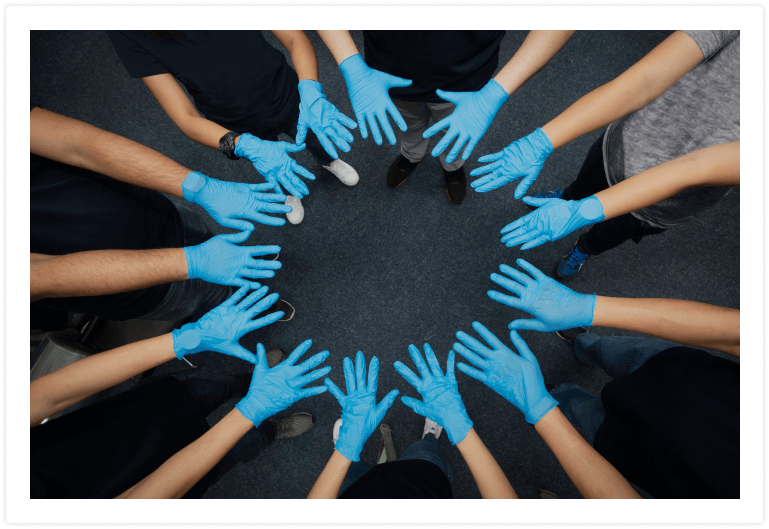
column 554, row 219
column 440, row 402
column 368, row 89
column 323, row 118
column 221, row 328
column 274, row 390
column 272, row 161
column 360, row 412
column 522, row 158
column 220, row 260
column 471, row 118
column 227, row 202
column 516, row 377
column 554, row 306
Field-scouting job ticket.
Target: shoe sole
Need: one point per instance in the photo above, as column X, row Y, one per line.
column 293, row 313
column 450, row 200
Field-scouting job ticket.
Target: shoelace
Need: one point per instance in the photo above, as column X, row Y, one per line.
column 576, row 258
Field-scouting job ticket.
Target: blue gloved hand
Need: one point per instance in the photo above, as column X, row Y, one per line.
column 274, row 390
column 441, row 401
column 360, row 412
column 368, row 89
column 516, row 377
column 323, row 118
column 221, row 328
column 554, row 219
column 554, row 306
column 227, row 202
column 272, row 161
column 471, row 118
column 522, row 158
column 220, row 260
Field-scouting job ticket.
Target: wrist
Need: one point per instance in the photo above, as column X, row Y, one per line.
column 228, row 143
column 186, row 340
column 310, row 91
column 541, row 409
column 243, row 411
column 541, row 141
column 246, row 141
column 191, row 255
column 591, row 210
column 496, row 93
column 352, row 65
column 193, row 185
column 458, row 431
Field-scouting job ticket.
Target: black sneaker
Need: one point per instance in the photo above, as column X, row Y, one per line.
column 399, row 170
column 456, row 185
column 283, row 305
column 293, row 425
column 571, row 334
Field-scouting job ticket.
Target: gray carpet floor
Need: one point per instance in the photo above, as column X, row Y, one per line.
column 377, row 269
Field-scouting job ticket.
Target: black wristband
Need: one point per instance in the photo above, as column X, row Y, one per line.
column 227, row 145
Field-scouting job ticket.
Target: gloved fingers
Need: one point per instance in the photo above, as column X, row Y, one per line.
column 384, row 122
column 470, row 147
column 260, row 306
column 252, row 298
column 539, row 202
column 451, row 135
column 489, row 336
column 334, row 390
column 349, row 375
column 311, row 377
column 241, row 352
column 416, row 405
column 343, row 119
column 493, row 157
column 515, row 224
column 236, row 297
column 521, row 238
column 523, row 349
column 531, row 269
column 244, row 283
column 432, row 361
column 362, row 125
column 505, row 282
column 419, row 362
column 313, row 361
column 442, row 124
column 371, row 119
column 396, row 115
column 473, row 344
column 301, row 131
column 495, row 183
column 297, row 353
column 263, row 191
column 311, row 392
column 393, row 81
column 256, row 273
column 235, row 224
column 327, row 145
column 260, row 264
column 264, row 321
column 408, row 374
column 510, row 301
column 528, row 325
column 302, row 172
column 385, row 404
column 360, row 370
column 488, row 168
column 525, row 183
column 292, row 185
column 519, row 276
column 236, row 237
column 473, row 373
column 293, row 147
column 542, row 239
column 471, row 356
column 461, row 140
column 267, row 220
column 265, row 249
column 452, row 97
column 261, row 353
column 343, row 134
column 373, row 375
column 450, row 367
column 267, row 202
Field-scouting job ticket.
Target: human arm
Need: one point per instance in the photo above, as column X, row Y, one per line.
column 218, row 260
column 518, row 378
column 556, row 307
column 718, row 165
column 475, row 111
column 360, row 416
column 639, row 85
column 593, row 476
column 442, row 403
column 301, row 51
column 271, row 391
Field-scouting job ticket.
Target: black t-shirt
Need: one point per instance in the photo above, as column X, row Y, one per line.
column 413, row 478
column 103, row 450
column 455, row 61
column 235, row 77
column 76, row 210
column 673, row 426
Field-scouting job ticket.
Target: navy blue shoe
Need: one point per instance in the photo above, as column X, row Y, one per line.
column 571, row 263
column 555, row 193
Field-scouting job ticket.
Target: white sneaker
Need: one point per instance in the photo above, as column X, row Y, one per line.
column 343, row 171
column 337, row 425
column 296, row 215
column 431, row 427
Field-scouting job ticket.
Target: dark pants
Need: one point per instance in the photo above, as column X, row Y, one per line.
column 609, row 233
column 207, row 394
column 312, row 142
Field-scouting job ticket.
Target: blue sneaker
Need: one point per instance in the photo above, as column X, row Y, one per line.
column 555, row 193
column 571, row 263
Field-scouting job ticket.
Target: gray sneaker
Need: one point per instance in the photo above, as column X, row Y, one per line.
column 275, row 356
column 293, row 425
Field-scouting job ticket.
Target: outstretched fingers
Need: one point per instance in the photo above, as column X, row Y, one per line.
column 384, row 405
column 297, row 353
column 408, row 374
column 334, row 390
column 470, row 356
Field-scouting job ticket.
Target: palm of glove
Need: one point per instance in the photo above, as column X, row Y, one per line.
column 550, row 302
column 221, row 328
column 359, row 420
column 272, row 161
column 272, row 390
column 234, row 201
column 369, row 91
column 519, row 382
column 219, row 261
column 442, row 399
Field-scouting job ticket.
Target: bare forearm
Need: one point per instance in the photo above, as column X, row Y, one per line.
column 301, row 51
column 202, row 130
column 101, row 272
column 79, row 144
column 491, row 481
column 71, row 384
column 535, row 52
column 180, row 473
column 339, row 43
column 593, row 476
column 330, row 480
column 640, row 84
column 685, row 322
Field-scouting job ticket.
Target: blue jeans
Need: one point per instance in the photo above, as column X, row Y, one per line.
column 191, row 297
column 617, row 356
column 427, row 449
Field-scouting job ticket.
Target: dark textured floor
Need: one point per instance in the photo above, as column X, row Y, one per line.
column 376, row 269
